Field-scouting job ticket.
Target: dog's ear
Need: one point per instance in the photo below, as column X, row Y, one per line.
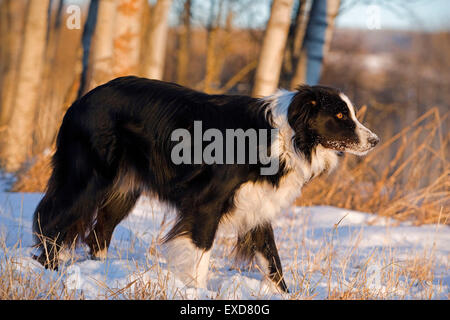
column 303, row 105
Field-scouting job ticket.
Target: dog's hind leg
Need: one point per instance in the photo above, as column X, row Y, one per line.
column 259, row 243
column 109, row 215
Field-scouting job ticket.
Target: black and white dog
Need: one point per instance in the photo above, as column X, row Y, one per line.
column 117, row 143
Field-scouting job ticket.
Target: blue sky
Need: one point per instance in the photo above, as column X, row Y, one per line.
column 426, row 15
column 429, row 15
column 406, row 15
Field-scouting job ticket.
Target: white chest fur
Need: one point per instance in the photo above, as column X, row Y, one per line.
column 257, row 203
column 261, row 202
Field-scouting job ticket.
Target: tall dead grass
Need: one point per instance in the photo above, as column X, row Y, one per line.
column 318, row 273
column 18, row 282
column 35, row 177
column 318, row 269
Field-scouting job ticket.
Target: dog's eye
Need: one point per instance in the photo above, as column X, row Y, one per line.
column 339, row 115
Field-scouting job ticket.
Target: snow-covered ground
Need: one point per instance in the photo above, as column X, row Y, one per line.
column 326, row 252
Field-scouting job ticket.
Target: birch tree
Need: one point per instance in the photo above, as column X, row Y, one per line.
column 12, row 26
column 157, row 40
column 18, row 145
column 301, row 23
column 271, row 57
column 86, row 44
column 316, row 41
column 49, row 105
column 102, row 49
column 127, row 36
column 183, row 50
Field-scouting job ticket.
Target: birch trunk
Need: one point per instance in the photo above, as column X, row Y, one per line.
column 271, row 57
column 49, row 107
column 183, row 44
column 212, row 29
column 301, row 24
column 12, row 22
column 332, row 9
column 157, row 39
column 102, row 50
column 127, row 35
column 299, row 36
column 18, row 145
column 332, row 12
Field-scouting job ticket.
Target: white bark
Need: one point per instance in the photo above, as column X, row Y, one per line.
column 157, row 39
column 127, row 36
column 271, row 57
column 101, row 57
column 18, row 145
column 12, row 20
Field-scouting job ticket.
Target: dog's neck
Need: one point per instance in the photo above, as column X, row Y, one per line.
column 319, row 161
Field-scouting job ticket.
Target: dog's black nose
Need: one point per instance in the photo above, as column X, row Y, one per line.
column 373, row 140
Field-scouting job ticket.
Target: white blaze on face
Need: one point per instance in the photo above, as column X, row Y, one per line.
column 366, row 137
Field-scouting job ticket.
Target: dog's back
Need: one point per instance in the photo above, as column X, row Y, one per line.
column 115, row 143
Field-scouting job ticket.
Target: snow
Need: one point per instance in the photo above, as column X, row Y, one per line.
column 323, row 250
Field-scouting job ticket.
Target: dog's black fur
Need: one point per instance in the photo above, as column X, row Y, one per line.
column 115, row 144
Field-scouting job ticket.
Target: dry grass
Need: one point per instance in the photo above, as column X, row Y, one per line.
column 35, row 177
column 314, row 269
column 320, row 271
column 19, row 282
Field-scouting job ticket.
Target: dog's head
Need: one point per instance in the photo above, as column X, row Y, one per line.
column 325, row 116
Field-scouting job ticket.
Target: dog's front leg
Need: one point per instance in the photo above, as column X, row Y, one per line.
column 188, row 246
column 259, row 243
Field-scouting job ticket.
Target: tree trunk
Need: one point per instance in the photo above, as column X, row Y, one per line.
column 127, row 35
column 86, row 42
column 218, row 45
column 102, row 49
column 301, row 24
column 299, row 35
column 271, row 57
column 12, row 23
column 211, row 38
column 4, row 50
column 49, row 106
column 316, row 42
column 183, row 44
column 156, row 40
column 18, row 145
column 294, row 42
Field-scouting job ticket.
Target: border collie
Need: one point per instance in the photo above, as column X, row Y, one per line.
column 116, row 142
